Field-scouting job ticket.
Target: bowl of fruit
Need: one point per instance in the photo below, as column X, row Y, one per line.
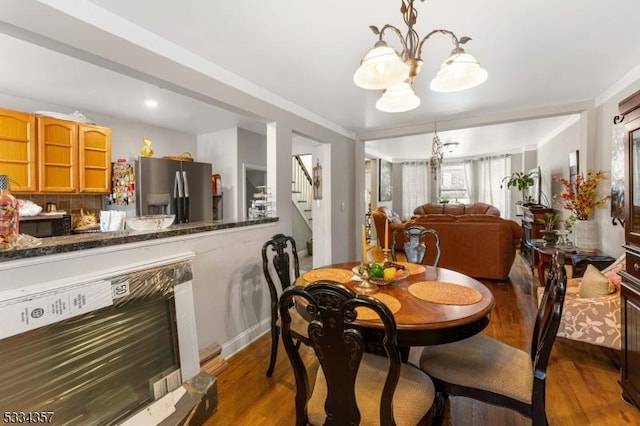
column 382, row 273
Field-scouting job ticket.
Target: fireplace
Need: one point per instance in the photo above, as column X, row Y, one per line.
column 98, row 349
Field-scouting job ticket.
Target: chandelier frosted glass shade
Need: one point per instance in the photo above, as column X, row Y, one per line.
column 398, row 98
column 459, row 72
column 380, row 68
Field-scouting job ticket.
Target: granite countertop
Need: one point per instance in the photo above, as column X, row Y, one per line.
column 70, row 243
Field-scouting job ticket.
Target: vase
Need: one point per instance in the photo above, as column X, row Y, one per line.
column 586, row 234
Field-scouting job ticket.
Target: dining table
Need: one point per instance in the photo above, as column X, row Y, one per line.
column 431, row 305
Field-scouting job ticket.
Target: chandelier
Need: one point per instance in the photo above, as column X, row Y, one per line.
column 437, row 154
column 382, row 68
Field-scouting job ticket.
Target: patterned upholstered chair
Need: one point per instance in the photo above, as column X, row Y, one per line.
column 490, row 371
column 595, row 320
column 352, row 386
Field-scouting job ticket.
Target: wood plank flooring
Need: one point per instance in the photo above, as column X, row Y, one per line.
column 582, row 386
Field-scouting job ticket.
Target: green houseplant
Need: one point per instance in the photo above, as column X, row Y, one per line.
column 521, row 181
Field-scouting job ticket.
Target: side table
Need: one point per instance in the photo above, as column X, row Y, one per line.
column 545, row 254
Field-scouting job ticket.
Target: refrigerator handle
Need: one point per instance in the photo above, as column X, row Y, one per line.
column 185, row 182
column 177, row 197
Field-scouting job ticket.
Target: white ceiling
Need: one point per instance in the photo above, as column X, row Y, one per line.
column 539, row 55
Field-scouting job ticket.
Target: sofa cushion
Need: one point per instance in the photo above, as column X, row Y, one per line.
column 595, row 284
column 430, row 209
column 456, row 209
column 433, row 218
column 479, row 218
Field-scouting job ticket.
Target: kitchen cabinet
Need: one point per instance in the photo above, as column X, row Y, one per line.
column 73, row 157
column 630, row 288
column 18, row 150
column 94, row 161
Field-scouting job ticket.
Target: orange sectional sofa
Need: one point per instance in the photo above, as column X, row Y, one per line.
column 481, row 245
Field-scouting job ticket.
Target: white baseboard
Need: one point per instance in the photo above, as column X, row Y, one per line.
column 241, row 341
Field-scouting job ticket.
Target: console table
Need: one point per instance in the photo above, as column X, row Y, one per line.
column 545, row 254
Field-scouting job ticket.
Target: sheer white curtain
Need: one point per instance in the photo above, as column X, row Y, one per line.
column 470, row 180
column 415, row 186
column 490, row 172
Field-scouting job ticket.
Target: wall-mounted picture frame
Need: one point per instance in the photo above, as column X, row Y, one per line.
column 574, row 166
column 317, row 181
column 384, row 181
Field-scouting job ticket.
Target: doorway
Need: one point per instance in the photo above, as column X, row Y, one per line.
column 254, row 176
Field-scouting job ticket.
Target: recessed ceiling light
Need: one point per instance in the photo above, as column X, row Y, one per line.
column 150, row 103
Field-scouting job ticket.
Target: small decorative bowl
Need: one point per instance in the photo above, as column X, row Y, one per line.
column 152, row 222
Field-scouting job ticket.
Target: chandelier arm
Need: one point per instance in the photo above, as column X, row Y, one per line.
column 398, row 33
column 456, row 42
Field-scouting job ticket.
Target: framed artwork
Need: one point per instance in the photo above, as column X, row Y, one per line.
column 574, row 168
column 384, row 182
column 317, row 181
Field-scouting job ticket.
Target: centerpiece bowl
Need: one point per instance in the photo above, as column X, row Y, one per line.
column 400, row 274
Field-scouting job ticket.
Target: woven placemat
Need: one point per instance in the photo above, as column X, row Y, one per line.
column 445, row 293
column 413, row 268
column 342, row 276
column 367, row 314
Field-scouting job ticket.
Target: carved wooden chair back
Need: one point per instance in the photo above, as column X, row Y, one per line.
column 415, row 245
column 279, row 262
column 339, row 348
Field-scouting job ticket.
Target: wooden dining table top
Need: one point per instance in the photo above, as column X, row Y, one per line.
column 420, row 322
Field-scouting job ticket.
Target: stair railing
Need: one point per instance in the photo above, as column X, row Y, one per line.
column 301, row 181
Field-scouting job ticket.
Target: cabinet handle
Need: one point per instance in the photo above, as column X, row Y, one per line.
column 636, row 267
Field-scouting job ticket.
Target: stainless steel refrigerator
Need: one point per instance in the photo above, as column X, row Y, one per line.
column 175, row 187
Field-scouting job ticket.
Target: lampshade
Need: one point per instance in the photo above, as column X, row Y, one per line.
column 380, row 68
column 459, row 72
column 398, row 98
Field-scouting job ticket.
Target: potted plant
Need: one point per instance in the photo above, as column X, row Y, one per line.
column 521, row 181
column 549, row 221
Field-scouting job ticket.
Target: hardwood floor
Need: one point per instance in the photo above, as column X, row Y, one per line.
column 582, row 386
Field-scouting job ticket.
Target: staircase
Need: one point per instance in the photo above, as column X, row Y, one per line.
column 301, row 190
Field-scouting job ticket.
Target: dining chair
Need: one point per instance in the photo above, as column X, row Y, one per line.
column 415, row 245
column 490, row 371
column 279, row 256
column 351, row 385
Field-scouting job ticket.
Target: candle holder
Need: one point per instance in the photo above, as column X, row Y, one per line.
column 365, row 286
column 386, row 255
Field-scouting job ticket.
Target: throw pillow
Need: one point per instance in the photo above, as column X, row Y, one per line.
column 594, row 283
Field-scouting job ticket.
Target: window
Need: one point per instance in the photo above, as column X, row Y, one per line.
column 453, row 183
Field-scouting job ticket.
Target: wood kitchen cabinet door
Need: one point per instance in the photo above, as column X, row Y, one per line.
column 57, row 155
column 94, row 161
column 18, row 150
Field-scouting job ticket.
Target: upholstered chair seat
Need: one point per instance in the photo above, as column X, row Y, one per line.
column 413, row 397
column 504, row 369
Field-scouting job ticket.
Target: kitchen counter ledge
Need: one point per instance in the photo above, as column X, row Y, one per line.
column 76, row 242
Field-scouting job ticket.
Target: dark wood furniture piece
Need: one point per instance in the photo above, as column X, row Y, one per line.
column 493, row 372
column 544, row 255
column 340, row 350
column 531, row 230
column 630, row 289
column 280, row 257
column 422, row 323
column 415, row 243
